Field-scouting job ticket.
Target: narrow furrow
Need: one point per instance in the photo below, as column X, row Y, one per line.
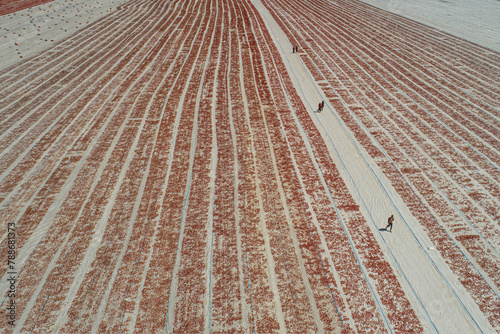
column 188, row 311
column 228, row 312
column 257, row 290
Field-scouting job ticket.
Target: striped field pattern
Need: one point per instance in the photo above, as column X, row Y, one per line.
column 164, row 175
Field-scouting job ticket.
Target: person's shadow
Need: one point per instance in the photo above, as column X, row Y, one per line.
column 384, row 229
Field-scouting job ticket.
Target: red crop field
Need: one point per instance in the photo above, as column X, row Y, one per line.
column 162, row 170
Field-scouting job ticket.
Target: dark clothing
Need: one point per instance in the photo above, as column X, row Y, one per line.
column 389, row 223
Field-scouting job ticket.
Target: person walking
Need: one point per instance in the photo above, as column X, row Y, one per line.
column 389, row 223
column 319, row 107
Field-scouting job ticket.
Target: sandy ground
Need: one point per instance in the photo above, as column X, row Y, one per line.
column 29, row 31
column 476, row 21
